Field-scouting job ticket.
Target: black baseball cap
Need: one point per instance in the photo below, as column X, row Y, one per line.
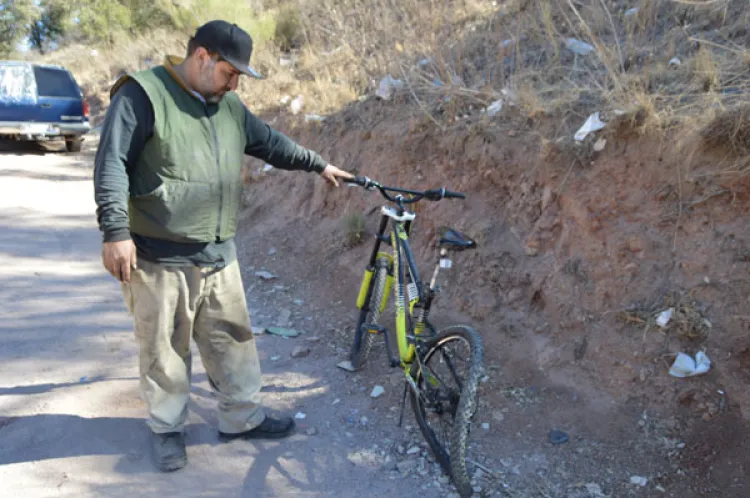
column 231, row 42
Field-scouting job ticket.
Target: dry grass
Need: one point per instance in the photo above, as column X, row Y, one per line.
column 688, row 320
column 457, row 56
column 731, row 130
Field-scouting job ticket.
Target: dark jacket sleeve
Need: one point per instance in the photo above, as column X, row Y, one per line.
column 129, row 122
column 277, row 149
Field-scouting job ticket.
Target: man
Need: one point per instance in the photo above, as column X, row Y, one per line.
column 168, row 192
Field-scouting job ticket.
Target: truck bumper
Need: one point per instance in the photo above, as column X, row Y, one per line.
column 42, row 131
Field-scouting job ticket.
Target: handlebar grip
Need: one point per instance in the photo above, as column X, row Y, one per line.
column 441, row 193
column 357, row 180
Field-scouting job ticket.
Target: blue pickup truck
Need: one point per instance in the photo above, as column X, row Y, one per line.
column 40, row 102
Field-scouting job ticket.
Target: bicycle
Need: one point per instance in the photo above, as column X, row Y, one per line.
column 419, row 344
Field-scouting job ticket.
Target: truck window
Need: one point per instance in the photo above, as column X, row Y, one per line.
column 17, row 84
column 55, row 83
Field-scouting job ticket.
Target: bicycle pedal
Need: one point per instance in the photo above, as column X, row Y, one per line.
column 372, row 328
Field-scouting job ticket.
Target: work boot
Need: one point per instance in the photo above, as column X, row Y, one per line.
column 270, row 428
column 169, row 450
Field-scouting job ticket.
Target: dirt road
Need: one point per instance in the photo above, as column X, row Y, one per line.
column 71, row 417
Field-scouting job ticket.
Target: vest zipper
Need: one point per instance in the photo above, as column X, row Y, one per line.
column 218, row 167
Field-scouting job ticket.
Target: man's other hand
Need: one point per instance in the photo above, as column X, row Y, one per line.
column 118, row 258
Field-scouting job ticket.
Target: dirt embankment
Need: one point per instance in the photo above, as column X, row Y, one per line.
column 579, row 253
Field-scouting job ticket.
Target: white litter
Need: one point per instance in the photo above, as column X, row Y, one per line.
column 592, row 124
column 314, row 117
column 285, row 100
column 600, row 144
column 675, row 61
column 578, row 47
column 377, row 391
column 388, row 86
column 664, row 317
column 300, row 416
column 631, row 12
column 494, row 108
column 685, row 366
column 296, row 105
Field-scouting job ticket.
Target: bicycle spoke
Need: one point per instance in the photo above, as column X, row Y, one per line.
column 449, row 362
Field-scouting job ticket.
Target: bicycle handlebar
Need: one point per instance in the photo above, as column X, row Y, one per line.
column 431, row 195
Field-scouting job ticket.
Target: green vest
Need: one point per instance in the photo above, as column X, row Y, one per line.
column 186, row 185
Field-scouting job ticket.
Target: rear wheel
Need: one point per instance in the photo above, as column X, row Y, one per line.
column 451, row 365
column 73, row 145
column 370, row 313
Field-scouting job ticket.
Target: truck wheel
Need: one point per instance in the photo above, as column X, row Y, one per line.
column 73, row 145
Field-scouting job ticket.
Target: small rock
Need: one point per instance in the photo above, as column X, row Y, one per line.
column 532, row 247
column 336, row 401
column 477, row 489
column 282, row 331
column 363, row 421
column 444, row 480
column 258, row 330
column 406, row 466
column 486, row 426
column 275, row 358
column 300, row 416
column 272, row 251
column 377, row 391
column 400, row 449
column 635, row 244
column 300, row 352
column 265, row 275
column 313, row 339
column 547, row 196
column 413, row 450
column 638, row 480
column 346, row 365
column 594, row 490
column 600, row 144
column 498, row 416
column 284, row 316
column 558, row 437
column 299, row 302
column 312, row 431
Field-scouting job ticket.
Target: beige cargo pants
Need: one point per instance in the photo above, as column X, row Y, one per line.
column 169, row 306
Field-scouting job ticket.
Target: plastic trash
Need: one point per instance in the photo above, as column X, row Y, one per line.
column 377, row 391
column 300, row 416
column 296, row 105
column 600, row 144
column 664, row 317
column 314, row 117
column 388, row 86
column 579, row 47
column 494, row 108
column 685, row 366
column 675, row 61
column 631, row 12
column 592, row 124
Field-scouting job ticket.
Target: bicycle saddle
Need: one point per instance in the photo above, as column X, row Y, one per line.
column 453, row 240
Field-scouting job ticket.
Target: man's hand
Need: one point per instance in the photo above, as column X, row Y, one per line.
column 118, row 257
column 332, row 173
